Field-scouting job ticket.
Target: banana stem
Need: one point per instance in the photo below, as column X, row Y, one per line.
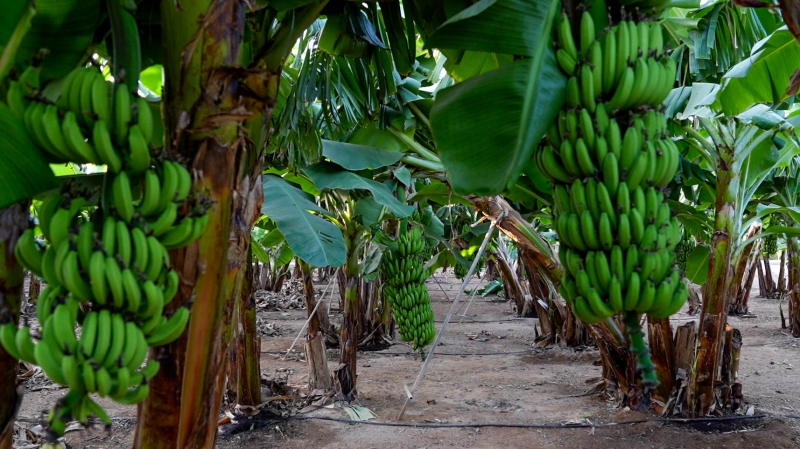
column 423, row 163
column 401, row 195
column 416, row 147
column 640, row 349
column 14, row 41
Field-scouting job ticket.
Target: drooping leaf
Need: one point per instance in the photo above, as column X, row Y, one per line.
column 329, row 176
column 314, row 239
column 481, row 134
column 697, row 264
column 24, row 172
column 358, row 157
column 764, row 77
column 495, row 26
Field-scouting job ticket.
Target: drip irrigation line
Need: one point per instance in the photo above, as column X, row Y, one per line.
column 305, row 417
column 452, row 354
column 490, row 321
column 582, row 425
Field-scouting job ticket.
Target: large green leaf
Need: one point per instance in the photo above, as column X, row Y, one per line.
column 65, row 28
column 23, row 170
column 764, row 77
column 697, row 264
column 370, row 211
column 314, row 239
column 495, row 26
column 482, row 131
column 330, row 176
column 358, row 157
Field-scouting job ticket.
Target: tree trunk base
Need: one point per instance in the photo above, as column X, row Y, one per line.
column 319, row 376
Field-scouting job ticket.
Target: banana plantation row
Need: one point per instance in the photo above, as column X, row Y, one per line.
column 612, row 153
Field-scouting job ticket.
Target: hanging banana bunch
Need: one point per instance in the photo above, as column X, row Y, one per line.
column 682, row 251
column 113, row 257
column 609, row 157
column 404, row 275
column 770, row 244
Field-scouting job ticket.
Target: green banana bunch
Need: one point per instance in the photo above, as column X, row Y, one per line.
column 404, row 274
column 112, row 258
column 610, row 158
column 771, row 244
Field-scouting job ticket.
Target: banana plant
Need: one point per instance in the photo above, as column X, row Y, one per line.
column 742, row 156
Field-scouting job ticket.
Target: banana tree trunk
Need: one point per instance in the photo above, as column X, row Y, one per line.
column 346, row 373
column 793, row 262
column 13, row 221
column 201, row 40
column 540, row 294
column 762, row 283
column 659, row 334
column 319, row 375
column 713, row 317
column 782, row 274
column 247, row 349
column 513, row 289
column 768, row 277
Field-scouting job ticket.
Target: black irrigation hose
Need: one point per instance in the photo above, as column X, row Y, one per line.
column 542, row 426
column 454, row 354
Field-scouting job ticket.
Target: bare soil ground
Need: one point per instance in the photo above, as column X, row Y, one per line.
column 485, row 371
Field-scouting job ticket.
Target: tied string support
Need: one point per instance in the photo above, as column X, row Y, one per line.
column 453, row 308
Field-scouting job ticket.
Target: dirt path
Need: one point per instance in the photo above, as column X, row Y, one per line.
column 486, row 371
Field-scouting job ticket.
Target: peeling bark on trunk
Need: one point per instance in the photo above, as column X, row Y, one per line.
column 346, row 373
column 762, row 282
column 539, row 292
column 782, row 274
column 13, row 221
column 793, row 262
column 659, row 333
column 248, row 343
column 770, row 281
column 740, row 289
column 202, row 119
column 521, row 233
column 511, row 285
column 319, row 375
